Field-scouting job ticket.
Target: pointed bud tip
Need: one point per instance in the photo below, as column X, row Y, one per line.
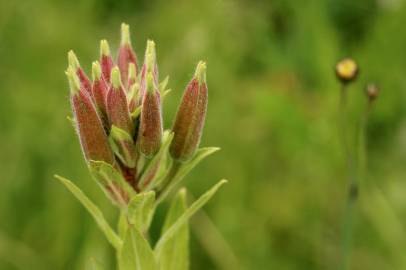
column 73, row 60
column 132, row 71
column 150, row 46
column 96, row 70
column 125, row 34
column 115, row 77
column 150, row 83
column 200, row 73
column 104, row 48
column 73, row 79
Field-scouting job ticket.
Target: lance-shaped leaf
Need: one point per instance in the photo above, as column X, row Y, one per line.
column 148, row 177
column 190, row 117
column 117, row 107
column 84, row 80
column 187, row 214
column 180, row 170
column 110, row 234
column 92, row 136
column 175, row 252
column 150, row 130
column 123, row 146
column 112, row 183
column 126, row 54
column 141, row 209
column 106, row 60
column 136, row 253
column 99, row 91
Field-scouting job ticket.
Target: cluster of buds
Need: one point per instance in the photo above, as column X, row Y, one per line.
column 118, row 118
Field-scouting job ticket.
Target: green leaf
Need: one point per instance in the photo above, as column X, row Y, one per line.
column 170, row 232
column 111, row 181
column 136, row 253
column 123, row 146
column 175, row 252
column 141, row 209
column 93, row 264
column 184, row 169
column 155, row 164
column 110, row 234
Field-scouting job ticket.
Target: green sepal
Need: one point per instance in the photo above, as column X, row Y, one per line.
column 175, row 252
column 123, row 146
column 163, row 84
column 156, row 164
column 184, row 169
column 141, row 209
column 94, row 211
column 174, row 228
column 111, row 182
column 136, row 253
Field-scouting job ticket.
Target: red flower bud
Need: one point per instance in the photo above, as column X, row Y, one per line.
column 117, row 106
column 99, row 91
column 150, row 131
column 84, row 80
column 149, row 66
column 190, row 117
column 92, row 136
column 126, row 54
column 106, row 60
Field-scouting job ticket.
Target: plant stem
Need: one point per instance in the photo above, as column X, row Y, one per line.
column 352, row 184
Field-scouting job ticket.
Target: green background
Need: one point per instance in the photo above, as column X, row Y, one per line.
column 272, row 110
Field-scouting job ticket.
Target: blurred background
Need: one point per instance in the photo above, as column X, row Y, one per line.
column 272, row 110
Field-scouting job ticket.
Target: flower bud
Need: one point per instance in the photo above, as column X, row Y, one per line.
column 372, row 92
column 190, row 117
column 84, row 80
column 99, row 90
column 347, row 70
column 92, row 136
column 106, row 60
column 149, row 66
column 126, row 54
column 132, row 75
column 150, row 130
column 117, row 106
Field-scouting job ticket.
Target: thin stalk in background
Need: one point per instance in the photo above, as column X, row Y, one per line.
column 346, row 71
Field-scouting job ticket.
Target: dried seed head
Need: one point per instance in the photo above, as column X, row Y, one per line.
column 347, row 70
column 190, row 117
column 92, row 136
column 150, row 131
column 117, row 107
column 105, row 59
column 126, row 54
column 372, row 92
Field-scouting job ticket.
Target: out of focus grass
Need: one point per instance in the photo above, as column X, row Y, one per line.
column 272, row 109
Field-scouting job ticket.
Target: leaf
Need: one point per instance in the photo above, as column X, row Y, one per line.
column 167, row 236
column 141, row 209
column 136, row 113
column 93, row 264
column 123, row 146
column 110, row 234
column 175, row 252
column 111, row 182
column 136, row 253
column 185, row 168
column 145, row 181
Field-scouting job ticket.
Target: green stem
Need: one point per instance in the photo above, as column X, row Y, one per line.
column 352, row 195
